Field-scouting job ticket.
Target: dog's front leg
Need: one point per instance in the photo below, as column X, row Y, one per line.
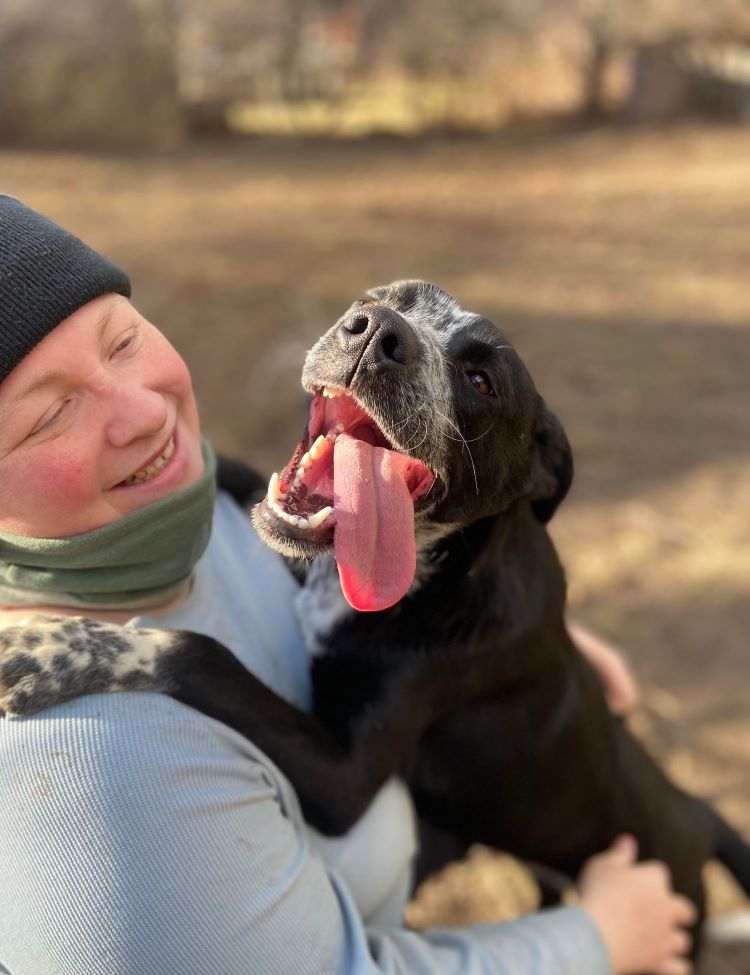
column 50, row 660
column 336, row 773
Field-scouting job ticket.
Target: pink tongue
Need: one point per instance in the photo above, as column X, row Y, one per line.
column 374, row 537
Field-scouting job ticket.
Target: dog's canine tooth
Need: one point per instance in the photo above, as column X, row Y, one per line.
column 274, row 488
column 319, row 517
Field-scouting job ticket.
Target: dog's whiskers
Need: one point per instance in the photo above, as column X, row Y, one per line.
column 474, row 439
column 402, row 424
column 414, row 446
column 463, row 440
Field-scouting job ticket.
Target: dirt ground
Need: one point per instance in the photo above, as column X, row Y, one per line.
column 617, row 262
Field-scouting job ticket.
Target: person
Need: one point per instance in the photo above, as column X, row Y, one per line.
column 137, row 835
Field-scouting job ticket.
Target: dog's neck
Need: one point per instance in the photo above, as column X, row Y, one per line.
column 499, row 574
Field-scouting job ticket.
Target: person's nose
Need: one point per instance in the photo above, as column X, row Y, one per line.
column 135, row 411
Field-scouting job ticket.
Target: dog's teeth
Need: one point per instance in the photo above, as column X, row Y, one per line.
column 274, row 488
column 318, row 447
column 303, row 523
column 314, row 521
column 334, row 432
column 330, row 392
column 304, row 461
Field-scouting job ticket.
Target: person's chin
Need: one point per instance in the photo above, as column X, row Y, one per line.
column 183, row 468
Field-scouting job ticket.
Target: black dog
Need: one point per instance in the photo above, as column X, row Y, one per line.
column 424, row 424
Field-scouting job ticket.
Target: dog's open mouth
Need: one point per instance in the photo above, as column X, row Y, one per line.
column 346, row 484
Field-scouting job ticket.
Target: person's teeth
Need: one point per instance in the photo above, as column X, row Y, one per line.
column 314, row 521
column 147, row 472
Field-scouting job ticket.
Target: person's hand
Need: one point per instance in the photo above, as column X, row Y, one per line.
column 641, row 920
column 620, row 687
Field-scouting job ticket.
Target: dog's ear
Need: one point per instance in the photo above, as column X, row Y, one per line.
column 551, row 471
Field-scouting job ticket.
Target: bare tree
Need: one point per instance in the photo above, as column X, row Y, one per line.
column 89, row 72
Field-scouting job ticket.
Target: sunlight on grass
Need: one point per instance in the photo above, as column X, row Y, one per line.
column 401, row 107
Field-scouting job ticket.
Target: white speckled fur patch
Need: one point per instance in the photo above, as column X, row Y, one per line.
column 47, row 660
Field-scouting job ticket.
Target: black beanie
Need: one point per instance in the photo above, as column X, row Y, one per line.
column 45, row 275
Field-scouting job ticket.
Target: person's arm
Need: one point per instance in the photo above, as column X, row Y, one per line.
column 138, row 836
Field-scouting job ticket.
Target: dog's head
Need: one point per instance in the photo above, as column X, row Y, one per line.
column 423, row 416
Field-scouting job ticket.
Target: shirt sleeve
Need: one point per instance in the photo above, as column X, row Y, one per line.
column 138, row 836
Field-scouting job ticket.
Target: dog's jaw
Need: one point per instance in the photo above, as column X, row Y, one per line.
column 347, row 479
column 417, row 408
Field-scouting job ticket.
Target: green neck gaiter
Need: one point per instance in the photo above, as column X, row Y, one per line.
column 141, row 560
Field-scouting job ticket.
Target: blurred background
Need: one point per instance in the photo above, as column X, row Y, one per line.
column 578, row 170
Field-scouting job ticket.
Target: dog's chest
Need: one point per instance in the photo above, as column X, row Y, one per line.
column 320, row 606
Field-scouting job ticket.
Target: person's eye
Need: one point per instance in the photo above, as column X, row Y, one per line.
column 51, row 418
column 481, row 383
column 125, row 343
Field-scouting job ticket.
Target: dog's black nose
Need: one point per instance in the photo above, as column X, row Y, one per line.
column 379, row 335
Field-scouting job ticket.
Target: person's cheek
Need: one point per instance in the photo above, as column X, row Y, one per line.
column 66, row 483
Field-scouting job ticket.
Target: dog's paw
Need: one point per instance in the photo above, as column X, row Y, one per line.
column 47, row 660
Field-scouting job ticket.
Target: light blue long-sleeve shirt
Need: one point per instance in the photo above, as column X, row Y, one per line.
column 139, row 837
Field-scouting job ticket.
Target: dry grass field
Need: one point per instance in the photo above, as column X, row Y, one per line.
column 617, row 261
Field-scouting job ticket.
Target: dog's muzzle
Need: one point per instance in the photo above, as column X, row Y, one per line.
column 377, row 338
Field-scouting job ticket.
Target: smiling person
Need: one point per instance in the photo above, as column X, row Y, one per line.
column 136, row 834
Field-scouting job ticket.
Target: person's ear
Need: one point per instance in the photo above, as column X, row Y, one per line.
column 551, row 471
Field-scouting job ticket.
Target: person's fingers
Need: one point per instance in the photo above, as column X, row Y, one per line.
column 685, row 911
column 624, row 849
column 679, row 943
column 674, row 966
column 619, row 684
column 659, row 872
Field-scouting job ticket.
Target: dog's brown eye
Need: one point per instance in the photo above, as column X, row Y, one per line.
column 481, row 383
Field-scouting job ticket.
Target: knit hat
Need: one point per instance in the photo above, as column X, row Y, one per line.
column 46, row 274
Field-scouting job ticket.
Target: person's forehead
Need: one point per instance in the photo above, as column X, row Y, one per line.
column 83, row 328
